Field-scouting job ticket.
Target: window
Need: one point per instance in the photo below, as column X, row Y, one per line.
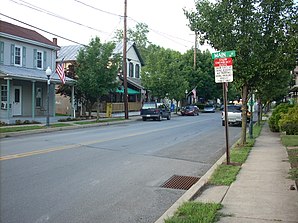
column 3, row 92
column 137, row 71
column 38, row 97
column 3, row 96
column 17, row 55
column 39, row 60
column 131, row 69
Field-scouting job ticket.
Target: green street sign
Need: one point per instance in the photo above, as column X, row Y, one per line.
column 225, row 54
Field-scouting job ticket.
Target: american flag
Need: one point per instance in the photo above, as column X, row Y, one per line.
column 60, row 71
column 194, row 92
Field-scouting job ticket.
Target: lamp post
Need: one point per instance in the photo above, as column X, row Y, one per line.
column 186, row 92
column 48, row 73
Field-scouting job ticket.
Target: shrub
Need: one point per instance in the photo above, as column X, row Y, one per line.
column 3, row 123
column 200, row 105
column 289, row 121
column 276, row 116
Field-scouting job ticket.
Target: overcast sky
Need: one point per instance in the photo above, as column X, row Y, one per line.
column 165, row 18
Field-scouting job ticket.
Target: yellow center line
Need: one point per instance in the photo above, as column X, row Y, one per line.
column 72, row 146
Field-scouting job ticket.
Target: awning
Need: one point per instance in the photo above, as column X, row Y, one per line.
column 129, row 91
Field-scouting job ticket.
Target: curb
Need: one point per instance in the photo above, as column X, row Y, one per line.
column 47, row 130
column 189, row 194
column 193, row 191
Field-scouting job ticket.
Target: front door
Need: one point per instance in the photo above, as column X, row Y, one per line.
column 17, row 100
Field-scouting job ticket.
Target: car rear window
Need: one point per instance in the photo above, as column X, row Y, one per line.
column 148, row 106
column 234, row 108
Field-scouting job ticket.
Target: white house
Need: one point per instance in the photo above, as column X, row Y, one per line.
column 134, row 65
column 24, row 57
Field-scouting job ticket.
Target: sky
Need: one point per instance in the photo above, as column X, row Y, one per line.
column 85, row 19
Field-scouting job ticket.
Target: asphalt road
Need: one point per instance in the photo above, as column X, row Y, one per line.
column 106, row 174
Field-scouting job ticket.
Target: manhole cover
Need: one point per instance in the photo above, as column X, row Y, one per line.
column 180, row 182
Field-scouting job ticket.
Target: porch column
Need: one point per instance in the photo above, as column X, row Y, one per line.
column 54, row 100
column 33, row 101
column 72, row 102
column 8, row 111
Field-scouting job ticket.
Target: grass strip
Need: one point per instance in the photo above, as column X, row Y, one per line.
column 224, row 175
column 99, row 121
column 57, row 125
column 239, row 155
column 190, row 212
column 289, row 140
column 20, row 128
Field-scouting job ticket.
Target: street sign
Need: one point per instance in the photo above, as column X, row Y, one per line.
column 223, row 68
column 225, row 54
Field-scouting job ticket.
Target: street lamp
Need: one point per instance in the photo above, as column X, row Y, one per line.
column 48, row 73
column 186, row 92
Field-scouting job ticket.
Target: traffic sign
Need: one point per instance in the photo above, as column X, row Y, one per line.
column 223, row 68
column 225, row 54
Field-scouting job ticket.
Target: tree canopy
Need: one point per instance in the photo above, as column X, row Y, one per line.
column 262, row 32
column 96, row 69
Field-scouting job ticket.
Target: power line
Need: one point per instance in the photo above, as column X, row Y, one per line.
column 165, row 35
column 93, row 7
column 36, row 8
column 41, row 29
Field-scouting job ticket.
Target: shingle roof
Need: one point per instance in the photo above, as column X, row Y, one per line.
column 69, row 53
column 25, row 33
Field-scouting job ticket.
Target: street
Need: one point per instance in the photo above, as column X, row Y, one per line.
column 106, row 174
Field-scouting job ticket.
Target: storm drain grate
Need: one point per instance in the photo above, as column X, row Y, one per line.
column 180, row 182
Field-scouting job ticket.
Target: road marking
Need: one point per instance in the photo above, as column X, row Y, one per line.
column 72, row 146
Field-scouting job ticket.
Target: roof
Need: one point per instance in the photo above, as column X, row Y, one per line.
column 23, row 73
column 69, row 53
column 18, row 31
column 119, row 50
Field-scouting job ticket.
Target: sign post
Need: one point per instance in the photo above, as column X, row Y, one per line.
column 223, row 67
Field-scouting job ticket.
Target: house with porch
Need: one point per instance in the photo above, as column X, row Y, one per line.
column 27, row 93
column 136, row 92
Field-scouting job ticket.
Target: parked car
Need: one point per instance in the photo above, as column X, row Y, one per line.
column 190, row 110
column 156, row 111
column 234, row 115
column 209, row 108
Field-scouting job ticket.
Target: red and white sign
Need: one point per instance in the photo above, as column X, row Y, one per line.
column 223, row 70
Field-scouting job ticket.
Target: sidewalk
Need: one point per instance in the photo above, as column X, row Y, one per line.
column 261, row 192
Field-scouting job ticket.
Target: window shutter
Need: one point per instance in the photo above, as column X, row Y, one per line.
column 1, row 52
column 45, row 60
column 34, row 58
column 12, row 54
column 24, row 57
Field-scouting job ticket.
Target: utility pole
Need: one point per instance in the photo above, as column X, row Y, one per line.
column 195, row 51
column 124, row 62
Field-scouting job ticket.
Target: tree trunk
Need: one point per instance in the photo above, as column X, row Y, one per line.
column 259, row 111
column 97, row 109
column 244, row 114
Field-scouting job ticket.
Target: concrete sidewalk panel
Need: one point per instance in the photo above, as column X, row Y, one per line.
column 213, row 194
column 262, row 192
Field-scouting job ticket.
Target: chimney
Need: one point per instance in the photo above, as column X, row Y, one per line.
column 55, row 41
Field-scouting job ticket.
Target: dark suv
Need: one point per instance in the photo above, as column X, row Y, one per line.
column 155, row 110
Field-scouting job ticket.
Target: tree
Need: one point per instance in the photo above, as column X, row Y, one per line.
column 138, row 35
column 241, row 26
column 201, row 78
column 162, row 74
column 97, row 71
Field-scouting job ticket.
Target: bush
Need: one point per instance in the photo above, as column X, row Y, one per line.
column 3, row 123
column 200, row 106
column 289, row 121
column 276, row 116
